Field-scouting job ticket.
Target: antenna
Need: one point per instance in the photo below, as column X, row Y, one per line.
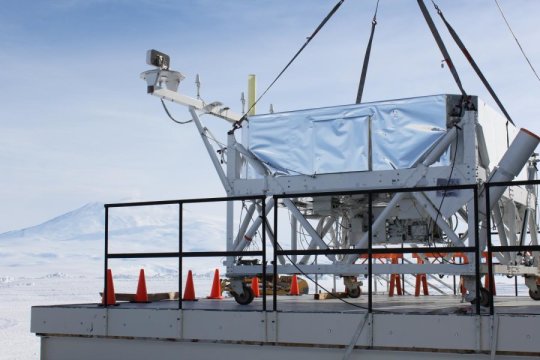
column 271, row 108
column 243, row 101
column 198, row 83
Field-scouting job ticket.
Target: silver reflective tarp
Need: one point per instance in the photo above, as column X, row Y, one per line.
column 372, row 136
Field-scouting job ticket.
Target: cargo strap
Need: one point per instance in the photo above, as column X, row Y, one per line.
column 366, row 57
column 440, row 43
column 238, row 124
column 468, row 56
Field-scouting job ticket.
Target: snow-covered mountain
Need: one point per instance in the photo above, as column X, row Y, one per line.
column 72, row 244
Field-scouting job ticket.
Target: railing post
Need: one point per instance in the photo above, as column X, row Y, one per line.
column 106, row 257
column 491, row 278
column 263, row 204
column 180, row 251
column 476, row 250
column 370, row 252
column 274, row 277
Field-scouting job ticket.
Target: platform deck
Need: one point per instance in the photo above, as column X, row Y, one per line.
column 426, row 327
column 435, row 304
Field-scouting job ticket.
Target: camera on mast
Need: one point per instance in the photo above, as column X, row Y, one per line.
column 158, row 59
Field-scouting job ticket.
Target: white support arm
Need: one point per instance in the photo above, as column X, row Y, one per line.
column 157, row 77
column 306, row 225
column 256, row 163
column 215, row 108
column 313, row 243
column 248, row 237
column 245, row 223
column 211, row 152
column 433, row 212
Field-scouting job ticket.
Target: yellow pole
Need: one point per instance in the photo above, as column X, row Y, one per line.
column 252, row 93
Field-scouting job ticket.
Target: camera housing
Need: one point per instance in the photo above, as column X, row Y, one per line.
column 158, row 59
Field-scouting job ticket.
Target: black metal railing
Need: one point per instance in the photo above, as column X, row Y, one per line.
column 490, row 247
column 370, row 250
column 181, row 254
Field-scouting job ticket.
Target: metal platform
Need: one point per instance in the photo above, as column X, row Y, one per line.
column 399, row 327
column 433, row 304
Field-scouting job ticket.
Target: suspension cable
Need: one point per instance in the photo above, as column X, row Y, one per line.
column 517, row 41
column 366, row 57
column 468, row 56
column 238, row 124
column 440, row 44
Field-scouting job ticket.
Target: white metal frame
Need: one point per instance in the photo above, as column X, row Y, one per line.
column 512, row 209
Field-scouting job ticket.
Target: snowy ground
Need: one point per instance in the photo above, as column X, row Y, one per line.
column 19, row 295
column 61, row 262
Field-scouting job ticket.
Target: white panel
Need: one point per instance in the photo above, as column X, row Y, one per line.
column 519, row 333
column 62, row 320
column 338, row 139
column 334, row 145
column 153, row 323
column 224, row 325
column 69, row 348
column 495, row 134
column 516, row 333
column 330, row 329
column 426, row 331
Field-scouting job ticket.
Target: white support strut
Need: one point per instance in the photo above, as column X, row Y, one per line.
column 211, row 152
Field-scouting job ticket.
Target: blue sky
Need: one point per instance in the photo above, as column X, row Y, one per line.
column 76, row 125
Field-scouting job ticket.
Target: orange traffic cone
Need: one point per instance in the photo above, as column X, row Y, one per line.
column 142, row 295
column 189, row 292
column 294, row 286
column 216, row 287
column 255, row 286
column 110, row 297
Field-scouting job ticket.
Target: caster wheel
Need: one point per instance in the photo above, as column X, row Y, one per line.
column 486, row 299
column 354, row 292
column 245, row 298
column 535, row 295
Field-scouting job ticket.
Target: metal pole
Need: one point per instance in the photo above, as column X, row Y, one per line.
column 263, row 214
column 294, row 238
column 180, row 252
column 402, row 275
column 274, row 277
column 105, row 287
column 210, row 150
column 316, row 276
column 370, row 253
column 489, row 253
column 476, row 250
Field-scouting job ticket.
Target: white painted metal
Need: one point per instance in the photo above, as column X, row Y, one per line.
column 128, row 328
column 418, row 218
column 68, row 348
column 171, row 79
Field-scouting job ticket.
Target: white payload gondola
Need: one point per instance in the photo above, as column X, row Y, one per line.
column 389, row 145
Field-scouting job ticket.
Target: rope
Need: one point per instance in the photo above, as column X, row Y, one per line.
column 238, row 124
column 366, row 57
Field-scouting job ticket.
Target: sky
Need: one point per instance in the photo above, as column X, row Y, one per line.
column 76, row 124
